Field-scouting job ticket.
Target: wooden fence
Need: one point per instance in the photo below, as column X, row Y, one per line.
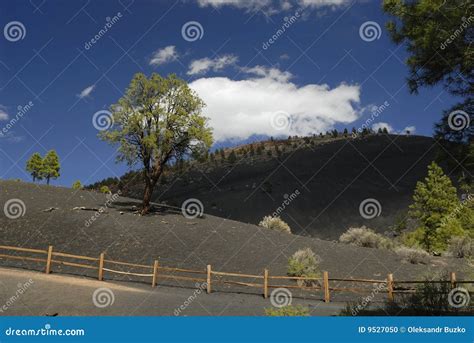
column 209, row 277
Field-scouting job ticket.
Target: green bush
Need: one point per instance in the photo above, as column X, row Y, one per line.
column 275, row 223
column 105, row 190
column 287, row 311
column 365, row 237
column 77, row 185
column 304, row 263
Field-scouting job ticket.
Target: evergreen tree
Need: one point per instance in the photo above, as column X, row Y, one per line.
column 232, row 157
column 435, row 200
column 51, row 166
column 384, row 130
column 34, row 166
column 345, row 132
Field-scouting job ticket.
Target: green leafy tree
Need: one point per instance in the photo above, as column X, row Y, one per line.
column 34, row 166
column 51, row 166
column 77, row 185
column 434, row 200
column 158, row 121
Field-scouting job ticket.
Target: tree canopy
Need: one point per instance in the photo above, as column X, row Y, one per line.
column 157, row 122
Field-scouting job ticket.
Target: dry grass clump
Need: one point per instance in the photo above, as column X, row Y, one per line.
column 413, row 255
column 304, row 263
column 461, row 247
column 275, row 223
column 365, row 237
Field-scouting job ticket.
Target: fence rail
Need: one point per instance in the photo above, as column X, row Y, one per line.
column 210, row 277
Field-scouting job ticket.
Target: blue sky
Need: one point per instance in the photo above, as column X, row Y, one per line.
column 322, row 72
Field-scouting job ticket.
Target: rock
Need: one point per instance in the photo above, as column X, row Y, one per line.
column 51, row 209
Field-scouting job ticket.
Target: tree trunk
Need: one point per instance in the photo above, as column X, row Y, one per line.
column 47, row 180
column 151, row 178
column 147, row 196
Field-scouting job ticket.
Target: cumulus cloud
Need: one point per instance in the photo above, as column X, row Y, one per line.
column 86, row 92
column 165, row 55
column 412, row 129
column 203, row 65
column 268, row 103
column 3, row 113
column 382, row 126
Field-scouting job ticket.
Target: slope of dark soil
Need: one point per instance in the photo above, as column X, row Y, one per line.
column 332, row 179
column 179, row 242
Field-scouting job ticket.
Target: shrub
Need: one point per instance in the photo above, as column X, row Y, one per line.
column 287, row 311
column 105, row 190
column 304, row 263
column 77, row 185
column 429, row 299
column 461, row 247
column 364, row 237
column 413, row 255
column 275, row 223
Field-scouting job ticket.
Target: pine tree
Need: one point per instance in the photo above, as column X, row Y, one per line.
column 51, row 166
column 232, row 157
column 34, row 166
column 435, row 200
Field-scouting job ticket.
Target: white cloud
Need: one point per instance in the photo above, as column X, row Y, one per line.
column 382, row 125
column 239, row 109
column 272, row 6
column 3, row 113
column 412, row 129
column 203, row 65
column 86, row 92
column 165, row 55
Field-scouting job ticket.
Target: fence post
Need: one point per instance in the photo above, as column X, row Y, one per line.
column 390, row 287
column 48, row 261
column 453, row 279
column 101, row 266
column 327, row 297
column 155, row 273
column 209, row 271
column 265, row 283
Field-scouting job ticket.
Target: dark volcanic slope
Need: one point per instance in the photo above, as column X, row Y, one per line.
column 227, row 245
column 332, row 179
